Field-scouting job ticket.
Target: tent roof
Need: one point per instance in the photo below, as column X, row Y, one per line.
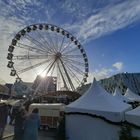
column 133, row 116
column 135, row 111
column 132, row 96
column 119, row 96
column 98, row 101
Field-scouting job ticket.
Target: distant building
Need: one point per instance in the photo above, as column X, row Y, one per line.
column 28, row 84
column 45, row 84
column 4, row 89
column 122, row 81
column 22, row 88
column 9, row 86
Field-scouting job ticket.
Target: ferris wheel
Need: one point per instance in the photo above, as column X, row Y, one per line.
column 46, row 49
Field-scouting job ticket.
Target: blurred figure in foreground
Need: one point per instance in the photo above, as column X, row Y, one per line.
column 3, row 118
column 31, row 125
column 13, row 112
column 19, row 124
column 61, row 129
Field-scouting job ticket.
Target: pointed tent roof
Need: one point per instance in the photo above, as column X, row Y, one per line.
column 117, row 94
column 99, row 102
column 133, row 116
column 132, row 96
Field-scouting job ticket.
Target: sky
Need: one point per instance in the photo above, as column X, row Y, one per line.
column 109, row 30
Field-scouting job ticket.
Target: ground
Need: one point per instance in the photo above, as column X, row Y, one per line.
column 43, row 135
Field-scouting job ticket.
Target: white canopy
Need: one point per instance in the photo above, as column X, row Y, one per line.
column 132, row 96
column 133, row 116
column 99, row 102
column 117, row 94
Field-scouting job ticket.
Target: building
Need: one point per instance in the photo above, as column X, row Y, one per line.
column 45, row 84
column 122, row 81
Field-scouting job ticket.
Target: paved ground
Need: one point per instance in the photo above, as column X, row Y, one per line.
column 43, row 135
column 8, row 129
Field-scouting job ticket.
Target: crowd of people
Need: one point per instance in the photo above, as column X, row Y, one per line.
column 25, row 124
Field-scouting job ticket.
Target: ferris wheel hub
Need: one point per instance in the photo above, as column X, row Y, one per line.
column 58, row 55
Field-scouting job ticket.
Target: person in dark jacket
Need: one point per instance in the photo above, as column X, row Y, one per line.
column 31, row 125
column 19, row 124
column 61, row 129
column 13, row 112
column 3, row 118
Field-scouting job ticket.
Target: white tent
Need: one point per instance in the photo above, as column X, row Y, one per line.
column 80, row 123
column 132, row 96
column 133, row 116
column 98, row 101
column 117, row 94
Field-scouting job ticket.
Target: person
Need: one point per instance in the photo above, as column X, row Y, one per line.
column 9, row 114
column 31, row 125
column 13, row 112
column 3, row 118
column 19, row 123
column 61, row 129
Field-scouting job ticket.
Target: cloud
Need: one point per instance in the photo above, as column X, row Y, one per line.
column 118, row 65
column 106, row 72
column 86, row 20
column 102, row 73
column 107, row 20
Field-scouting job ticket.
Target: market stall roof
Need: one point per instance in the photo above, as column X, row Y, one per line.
column 14, row 102
column 132, row 96
column 117, row 94
column 99, row 102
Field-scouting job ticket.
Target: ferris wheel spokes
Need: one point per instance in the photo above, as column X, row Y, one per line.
column 32, row 66
column 74, row 75
column 47, row 43
column 63, row 78
column 67, row 75
column 27, row 57
column 35, row 42
column 61, row 45
column 66, row 46
column 75, row 68
column 29, row 48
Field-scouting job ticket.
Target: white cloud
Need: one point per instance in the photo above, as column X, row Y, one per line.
column 87, row 20
column 107, row 20
column 118, row 65
column 9, row 26
column 102, row 73
column 106, row 72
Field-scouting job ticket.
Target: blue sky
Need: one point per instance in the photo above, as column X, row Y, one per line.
column 108, row 29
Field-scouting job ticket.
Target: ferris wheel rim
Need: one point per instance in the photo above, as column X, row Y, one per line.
column 53, row 28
